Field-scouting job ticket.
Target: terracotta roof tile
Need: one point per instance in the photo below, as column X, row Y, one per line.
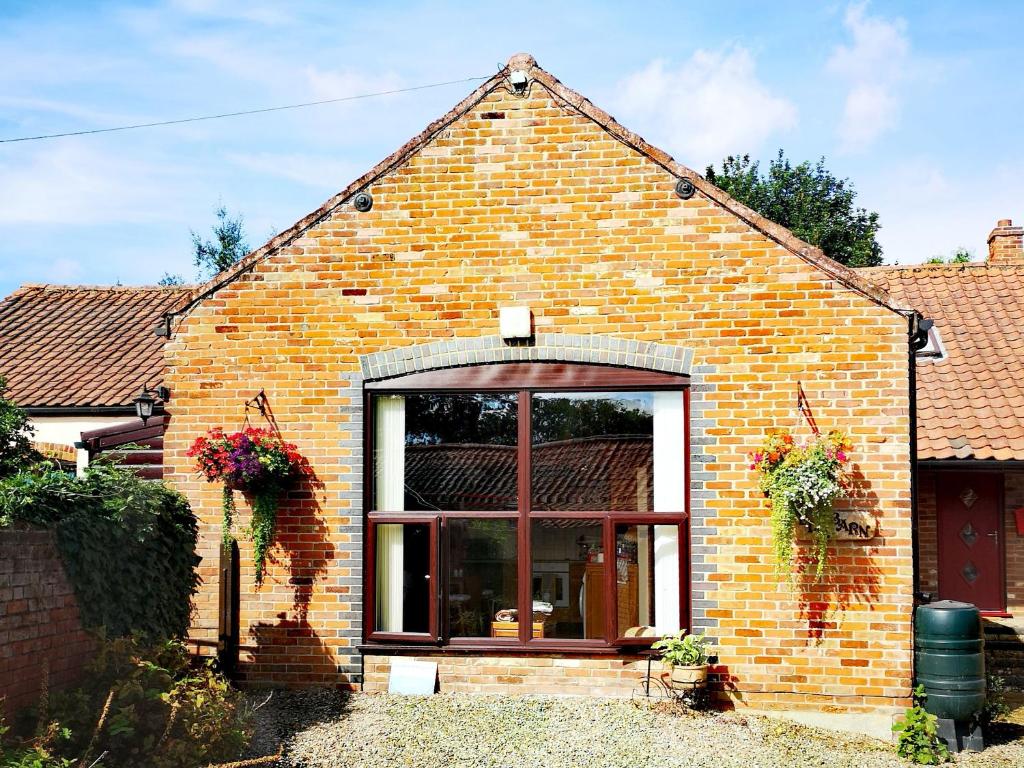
column 970, row 405
column 83, row 346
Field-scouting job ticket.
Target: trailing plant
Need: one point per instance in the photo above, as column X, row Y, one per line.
column 918, row 734
column 127, row 544
column 682, row 649
column 261, row 465
column 803, row 482
column 139, row 705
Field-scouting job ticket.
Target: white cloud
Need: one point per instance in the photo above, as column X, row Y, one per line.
column 872, row 65
column 709, row 106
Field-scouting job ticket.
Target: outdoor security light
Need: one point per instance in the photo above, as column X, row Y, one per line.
column 518, row 79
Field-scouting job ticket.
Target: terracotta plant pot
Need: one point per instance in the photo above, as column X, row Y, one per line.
column 687, row 678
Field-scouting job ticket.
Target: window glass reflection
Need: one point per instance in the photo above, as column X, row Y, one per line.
column 593, row 451
column 481, row 575
column 647, row 579
column 445, row 452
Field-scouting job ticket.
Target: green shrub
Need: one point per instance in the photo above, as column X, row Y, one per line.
column 138, row 705
column 995, row 707
column 34, row 755
column 918, row 739
column 128, row 545
column 16, row 451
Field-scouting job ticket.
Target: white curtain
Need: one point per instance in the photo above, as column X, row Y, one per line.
column 669, row 496
column 389, row 440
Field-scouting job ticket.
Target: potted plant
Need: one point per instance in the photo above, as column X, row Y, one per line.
column 687, row 655
column 803, row 483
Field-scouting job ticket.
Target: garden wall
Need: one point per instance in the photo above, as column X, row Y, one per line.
column 40, row 631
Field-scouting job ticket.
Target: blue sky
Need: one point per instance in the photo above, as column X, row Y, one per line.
column 918, row 103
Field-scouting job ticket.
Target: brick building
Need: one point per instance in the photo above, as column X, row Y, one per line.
column 74, row 357
column 970, row 424
column 659, row 312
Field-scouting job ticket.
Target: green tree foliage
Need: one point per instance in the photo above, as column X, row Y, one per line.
column 959, row 256
column 808, row 200
column 566, row 418
column 169, row 279
column 128, row 544
column 16, row 451
column 227, row 247
column 474, row 419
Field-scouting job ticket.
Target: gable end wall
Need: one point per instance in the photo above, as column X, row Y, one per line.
column 543, row 208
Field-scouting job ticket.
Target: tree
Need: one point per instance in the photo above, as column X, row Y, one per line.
column 960, row 256
column 808, row 200
column 229, row 245
column 16, row 451
column 169, row 279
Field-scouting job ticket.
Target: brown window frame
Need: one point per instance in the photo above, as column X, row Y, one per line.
column 524, row 380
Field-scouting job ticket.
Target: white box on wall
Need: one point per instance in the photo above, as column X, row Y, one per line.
column 515, row 322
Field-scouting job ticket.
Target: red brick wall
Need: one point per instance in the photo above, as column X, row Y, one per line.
column 1014, row 543
column 543, row 208
column 39, row 625
column 927, row 533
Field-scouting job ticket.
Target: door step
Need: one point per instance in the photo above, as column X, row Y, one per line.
column 1004, row 650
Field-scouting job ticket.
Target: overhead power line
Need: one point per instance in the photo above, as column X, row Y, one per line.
column 241, row 113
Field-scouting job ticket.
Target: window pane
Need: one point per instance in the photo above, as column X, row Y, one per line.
column 593, row 451
column 449, row 452
column 481, row 575
column 568, row 578
column 647, row 579
column 403, row 578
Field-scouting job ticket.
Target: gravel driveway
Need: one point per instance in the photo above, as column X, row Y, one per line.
column 324, row 728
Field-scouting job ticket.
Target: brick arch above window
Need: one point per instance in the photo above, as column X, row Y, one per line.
column 545, row 348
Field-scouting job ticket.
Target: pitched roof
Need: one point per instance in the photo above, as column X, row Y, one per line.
column 971, row 404
column 82, row 346
column 854, row 279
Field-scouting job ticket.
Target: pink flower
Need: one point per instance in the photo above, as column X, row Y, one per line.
column 841, row 456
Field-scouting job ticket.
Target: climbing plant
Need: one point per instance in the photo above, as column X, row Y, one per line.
column 127, row 544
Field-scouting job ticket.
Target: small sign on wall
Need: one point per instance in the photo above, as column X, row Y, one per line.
column 855, row 525
column 412, row 677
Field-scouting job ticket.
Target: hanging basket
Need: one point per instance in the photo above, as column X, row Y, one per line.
column 260, row 465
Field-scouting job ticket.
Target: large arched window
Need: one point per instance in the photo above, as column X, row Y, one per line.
column 549, row 492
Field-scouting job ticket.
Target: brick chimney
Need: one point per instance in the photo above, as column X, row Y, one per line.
column 1006, row 243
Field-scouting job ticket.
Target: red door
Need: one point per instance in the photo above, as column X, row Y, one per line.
column 970, row 514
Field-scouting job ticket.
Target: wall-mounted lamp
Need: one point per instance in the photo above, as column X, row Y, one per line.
column 144, row 402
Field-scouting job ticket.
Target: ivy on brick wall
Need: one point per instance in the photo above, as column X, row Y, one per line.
column 128, row 545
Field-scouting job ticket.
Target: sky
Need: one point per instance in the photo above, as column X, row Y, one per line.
column 919, row 104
